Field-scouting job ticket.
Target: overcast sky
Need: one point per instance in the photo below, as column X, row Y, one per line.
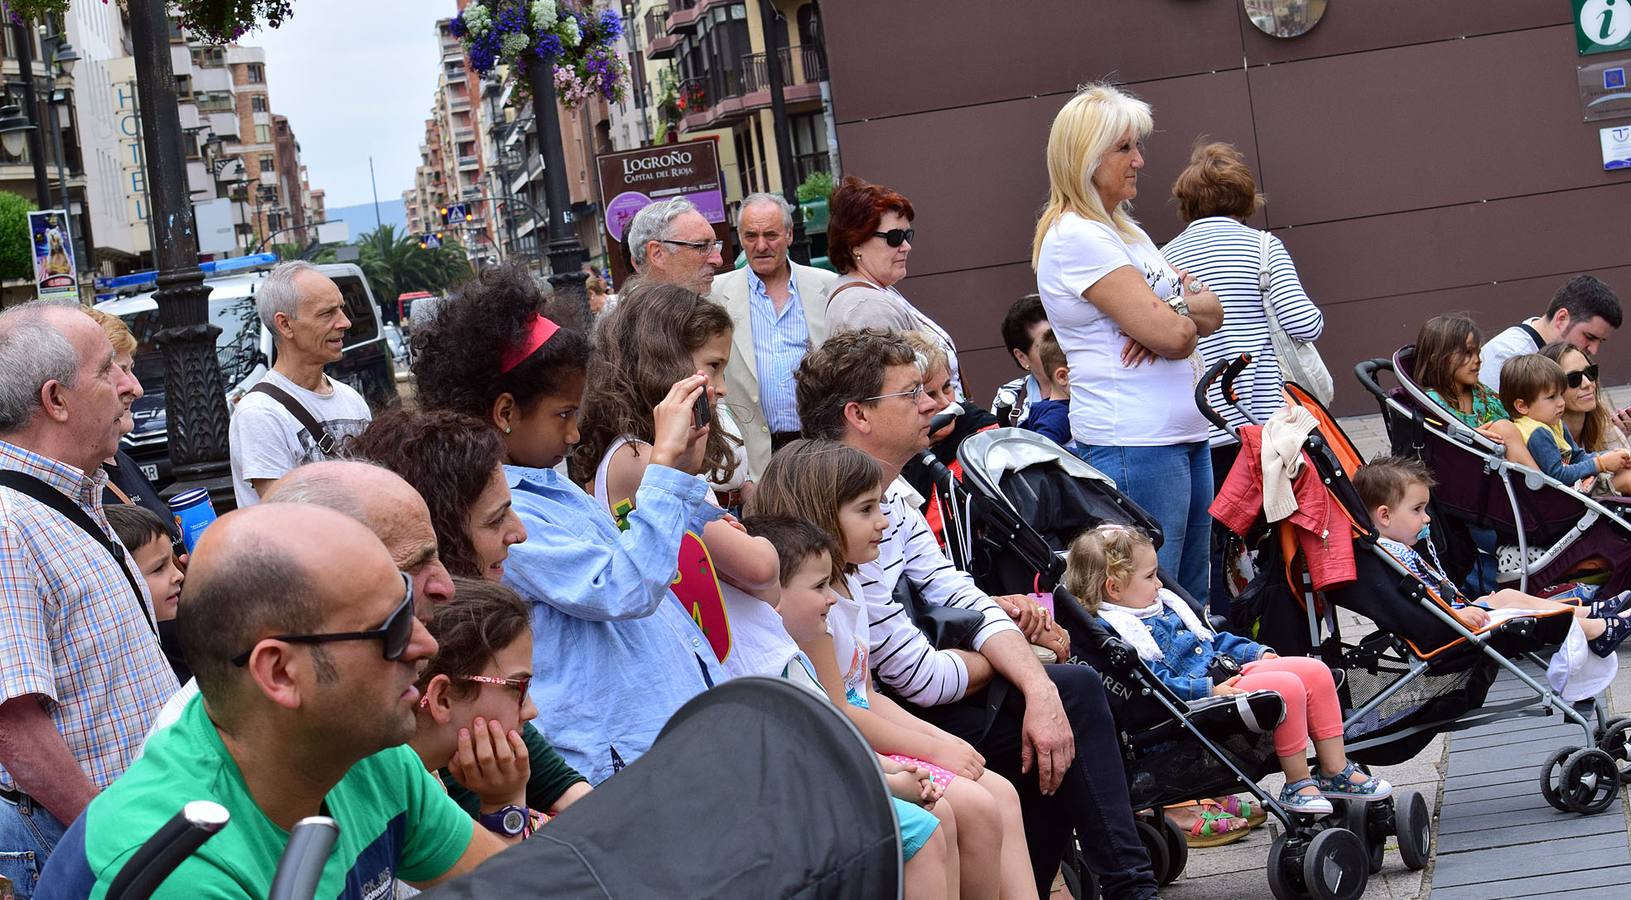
column 356, row 78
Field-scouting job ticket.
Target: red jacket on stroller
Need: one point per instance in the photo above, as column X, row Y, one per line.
column 1323, row 530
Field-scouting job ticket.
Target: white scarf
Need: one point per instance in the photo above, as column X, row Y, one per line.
column 1127, row 624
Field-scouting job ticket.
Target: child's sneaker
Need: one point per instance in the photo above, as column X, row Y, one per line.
column 1305, row 804
column 1611, row 606
column 1342, row 786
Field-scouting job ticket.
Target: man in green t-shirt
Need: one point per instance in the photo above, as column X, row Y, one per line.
column 301, row 634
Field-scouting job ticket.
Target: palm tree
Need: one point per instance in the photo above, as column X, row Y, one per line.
column 396, row 264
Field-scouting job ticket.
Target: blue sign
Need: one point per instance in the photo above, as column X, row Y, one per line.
column 1613, row 79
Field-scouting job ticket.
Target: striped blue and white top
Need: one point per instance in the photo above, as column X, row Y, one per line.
column 1224, row 253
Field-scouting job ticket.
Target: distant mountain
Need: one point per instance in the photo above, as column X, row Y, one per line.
column 360, row 218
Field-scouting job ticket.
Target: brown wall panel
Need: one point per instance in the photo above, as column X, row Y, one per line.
column 1374, row 24
column 977, row 176
column 902, row 57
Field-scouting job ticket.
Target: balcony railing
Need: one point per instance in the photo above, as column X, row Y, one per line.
column 704, row 93
column 811, row 68
column 656, row 25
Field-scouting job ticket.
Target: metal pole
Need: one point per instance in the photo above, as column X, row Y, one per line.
column 195, row 398
column 21, row 35
column 565, row 253
column 800, row 249
column 375, row 185
column 62, row 173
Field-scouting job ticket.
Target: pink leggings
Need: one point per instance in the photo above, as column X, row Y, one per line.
column 1310, row 695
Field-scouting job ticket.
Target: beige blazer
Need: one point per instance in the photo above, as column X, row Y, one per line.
column 741, row 374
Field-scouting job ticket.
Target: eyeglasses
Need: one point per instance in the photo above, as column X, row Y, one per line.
column 704, row 246
column 894, row 237
column 914, row 393
column 397, row 632
column 519, row 685
column 1589, row 373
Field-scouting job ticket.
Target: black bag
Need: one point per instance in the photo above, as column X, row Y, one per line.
column 947, row 627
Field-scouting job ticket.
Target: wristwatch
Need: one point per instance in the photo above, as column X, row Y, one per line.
column 511, row 821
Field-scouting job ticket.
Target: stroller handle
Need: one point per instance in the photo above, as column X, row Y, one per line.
column 301, row 866
column 1366, row 372
column 168, row 848
column 1229, row 369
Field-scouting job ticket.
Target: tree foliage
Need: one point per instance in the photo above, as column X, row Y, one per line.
column 396, row 264
column 16, row 244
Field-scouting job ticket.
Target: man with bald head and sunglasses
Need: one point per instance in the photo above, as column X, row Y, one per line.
column 301, row 633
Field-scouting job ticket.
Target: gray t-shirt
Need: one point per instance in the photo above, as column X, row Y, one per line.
column 267, row 441
column 869, row 306
column 1515, row 341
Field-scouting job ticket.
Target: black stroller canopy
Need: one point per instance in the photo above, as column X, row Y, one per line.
column 756, row 788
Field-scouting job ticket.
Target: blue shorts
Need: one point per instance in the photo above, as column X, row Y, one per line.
column 916, row 824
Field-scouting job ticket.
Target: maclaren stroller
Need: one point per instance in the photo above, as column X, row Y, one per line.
column 1021, row 500
column 1422, row 672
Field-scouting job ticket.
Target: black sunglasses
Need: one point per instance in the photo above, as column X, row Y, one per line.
column 894, row 237
column 1578, row 375
column 397, row 631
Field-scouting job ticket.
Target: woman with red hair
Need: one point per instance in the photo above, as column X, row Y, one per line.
column 869, row 236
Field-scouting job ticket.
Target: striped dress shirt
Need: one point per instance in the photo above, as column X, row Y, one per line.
column 780, row 340
column 901, row 654
column 1224, row 254
column 70, row 631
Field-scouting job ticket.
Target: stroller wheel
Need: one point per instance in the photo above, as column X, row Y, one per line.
column 1155, row 844
column 1177, row 850
column 1356, row 818
column 1414, row 828
column 1616, row 742
column 1551, row 778
column 1285, row 867
column 1336, row 866
column 1591, row 781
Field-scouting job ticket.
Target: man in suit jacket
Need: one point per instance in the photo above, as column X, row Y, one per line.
column 772, row 331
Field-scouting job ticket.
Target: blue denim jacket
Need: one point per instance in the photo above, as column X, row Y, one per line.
column 613, row 652
column 1186, row 655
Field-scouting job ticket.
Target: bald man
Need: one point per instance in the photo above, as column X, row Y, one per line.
column 300, row 630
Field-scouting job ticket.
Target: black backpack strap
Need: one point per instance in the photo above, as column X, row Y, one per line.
column 28, row 485
column 1533, row 335
column 325, row 441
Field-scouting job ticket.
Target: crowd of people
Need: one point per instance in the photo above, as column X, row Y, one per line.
column 446, row 622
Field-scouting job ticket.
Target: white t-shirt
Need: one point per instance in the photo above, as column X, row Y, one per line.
column 1514, row 341
column 267, row 441
column 760, row 644
column 1151, row 405
column 848, row 625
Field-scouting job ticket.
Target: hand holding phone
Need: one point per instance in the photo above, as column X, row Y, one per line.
column 702, row 413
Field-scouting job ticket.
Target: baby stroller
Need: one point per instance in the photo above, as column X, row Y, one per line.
column 1021, row 501
column 1422, row 672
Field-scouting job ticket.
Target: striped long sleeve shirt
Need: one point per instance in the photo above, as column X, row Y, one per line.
column 1224, row 254
column 902, row 656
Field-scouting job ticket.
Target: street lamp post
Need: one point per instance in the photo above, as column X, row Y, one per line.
column 21, row 36
column 195, row 399
column 566, row 255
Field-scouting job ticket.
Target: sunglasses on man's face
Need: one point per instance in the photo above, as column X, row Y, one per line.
column 1579, row 375
column 396, row 633
column 894, row 237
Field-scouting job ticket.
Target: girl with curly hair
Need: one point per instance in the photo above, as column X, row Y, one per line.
column 614, row 655
column 658, row 332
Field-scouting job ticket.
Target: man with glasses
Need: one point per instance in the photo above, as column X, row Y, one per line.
column 779, row 308
column 670, row 241
column 301, row 633
column 1048, row 729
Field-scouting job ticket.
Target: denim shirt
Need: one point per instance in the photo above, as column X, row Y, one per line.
column 1186, row 655
column 613, row 652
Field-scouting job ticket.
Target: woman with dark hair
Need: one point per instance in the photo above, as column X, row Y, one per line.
column 613, row 654
column 1586, row 414
column 455, row 462
column 869, row 236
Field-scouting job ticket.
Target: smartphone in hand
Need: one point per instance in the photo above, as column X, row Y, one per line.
column 701, row 413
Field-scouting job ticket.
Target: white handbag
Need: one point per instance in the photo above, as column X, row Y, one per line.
column 1299, row 361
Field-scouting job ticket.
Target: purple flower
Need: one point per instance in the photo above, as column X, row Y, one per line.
column 611, row 25
column 548, row 47
column 456, row 27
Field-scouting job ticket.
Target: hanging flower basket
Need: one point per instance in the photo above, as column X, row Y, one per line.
column 577, row 42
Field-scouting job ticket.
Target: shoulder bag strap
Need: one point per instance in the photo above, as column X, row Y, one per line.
column 842, row 288
column 28, row 485
column 1263, row 278
column 1533, row 335
column 325, row 441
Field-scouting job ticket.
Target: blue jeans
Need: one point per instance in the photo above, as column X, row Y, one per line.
column 1173, row 484
column 28, row 834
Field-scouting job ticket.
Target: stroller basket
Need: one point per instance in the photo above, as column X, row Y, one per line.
column 1416, row 708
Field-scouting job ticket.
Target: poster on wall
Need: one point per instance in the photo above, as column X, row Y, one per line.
column 634, row 179
column 1616, row 147
column 55, row 276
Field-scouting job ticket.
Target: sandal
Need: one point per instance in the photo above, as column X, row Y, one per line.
column 1611, row 606
column 1615, row 630
column 1241, row 808
column 1341, row 785
column 1214, row 829
column 1304, row 804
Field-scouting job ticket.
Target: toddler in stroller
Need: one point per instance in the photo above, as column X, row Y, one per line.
column 1112, row 570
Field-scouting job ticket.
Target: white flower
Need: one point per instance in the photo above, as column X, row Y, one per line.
column 569, row 31
column 544, row 14
column 514, row 45
column 477, row 20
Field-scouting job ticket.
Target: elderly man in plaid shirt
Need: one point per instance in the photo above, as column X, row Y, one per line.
column 82, row 672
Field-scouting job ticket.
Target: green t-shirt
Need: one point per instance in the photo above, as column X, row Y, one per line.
column 550, row 776
column 395, row 822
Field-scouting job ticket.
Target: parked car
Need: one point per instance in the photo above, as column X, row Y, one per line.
column 244, row 348
column 401, row 353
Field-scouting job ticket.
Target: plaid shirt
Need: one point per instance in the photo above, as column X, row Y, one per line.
column 69, row 629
